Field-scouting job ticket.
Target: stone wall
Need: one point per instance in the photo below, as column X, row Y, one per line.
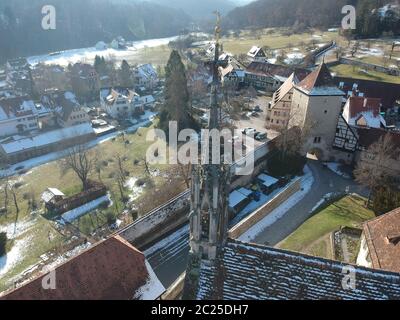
column 158, row 221
column 370, row 66
column 263, row 211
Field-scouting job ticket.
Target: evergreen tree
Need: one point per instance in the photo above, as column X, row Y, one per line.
column 100, row 65
column 176, row 106
column 3, row 243
column 125, row 74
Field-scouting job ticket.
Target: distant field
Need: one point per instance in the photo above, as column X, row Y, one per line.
column 312, row 237
column 275, row 40
column 154, row 55
column 355, row 72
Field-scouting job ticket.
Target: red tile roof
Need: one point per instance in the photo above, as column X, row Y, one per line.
column 361, row 104
column 382, row 235
column 110, row 270
column 320, row 77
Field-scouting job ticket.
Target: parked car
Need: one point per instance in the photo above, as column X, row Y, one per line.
column 254, row 114
column 249, row 131
column 260, row 136
column 257, row 109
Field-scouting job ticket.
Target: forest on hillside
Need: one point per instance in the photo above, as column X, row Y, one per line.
column 303, row 14
column 82, row 23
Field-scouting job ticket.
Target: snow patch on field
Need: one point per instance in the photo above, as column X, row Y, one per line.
column 15, row 255
column 306, row 184
column 135, row 190
column 73, row 214
column 14, row 231
column 87, row 55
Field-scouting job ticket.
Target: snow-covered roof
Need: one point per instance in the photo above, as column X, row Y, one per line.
column 50, row 193
column 259, row 272
column 245, row 191
column 267, row 180
column 47, row 138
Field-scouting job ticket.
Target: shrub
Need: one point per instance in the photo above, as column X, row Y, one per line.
column 3, row 243
column 110, row 218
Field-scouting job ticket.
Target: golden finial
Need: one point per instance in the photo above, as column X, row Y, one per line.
column 217, row 26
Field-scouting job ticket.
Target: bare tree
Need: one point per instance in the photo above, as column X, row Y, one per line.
column 373, row 169
column 81, row 161
column 180, row 173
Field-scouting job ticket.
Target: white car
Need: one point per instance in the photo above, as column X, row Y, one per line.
column 249, row 131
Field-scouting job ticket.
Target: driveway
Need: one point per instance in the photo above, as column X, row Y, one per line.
column 325, row 181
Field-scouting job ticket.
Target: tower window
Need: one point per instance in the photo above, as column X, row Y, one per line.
column 317, row 139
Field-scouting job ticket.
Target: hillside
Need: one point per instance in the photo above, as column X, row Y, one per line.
column 199, row 9
column 82, row 23
column 302, row 14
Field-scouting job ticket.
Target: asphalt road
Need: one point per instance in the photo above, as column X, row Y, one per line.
column 168, row 257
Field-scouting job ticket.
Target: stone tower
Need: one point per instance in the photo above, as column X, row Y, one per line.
column 210, row 183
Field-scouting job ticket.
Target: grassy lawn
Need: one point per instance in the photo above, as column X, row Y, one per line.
column 156, row 55
column 34, row 241
column 312, row 237
column 355, row 72
column 275, row 40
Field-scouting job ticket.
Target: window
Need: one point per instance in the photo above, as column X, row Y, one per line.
column 272, row 120
column 317, row 139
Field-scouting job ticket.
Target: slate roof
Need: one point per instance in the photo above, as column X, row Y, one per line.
column 112, row 269
column 269, row 69
column 383, row 239
column 387, row 92
column 248, row 271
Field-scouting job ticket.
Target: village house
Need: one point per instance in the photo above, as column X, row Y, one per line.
column 19, row 115
column 121, row 103
column 380, row 242
column 364, row 112
column 69, row 112
column 145, row 76
column 233, row 73
column 18, row 75
column 110, row 270
column 257, row 54
column 278, row 112
column 19, row 148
